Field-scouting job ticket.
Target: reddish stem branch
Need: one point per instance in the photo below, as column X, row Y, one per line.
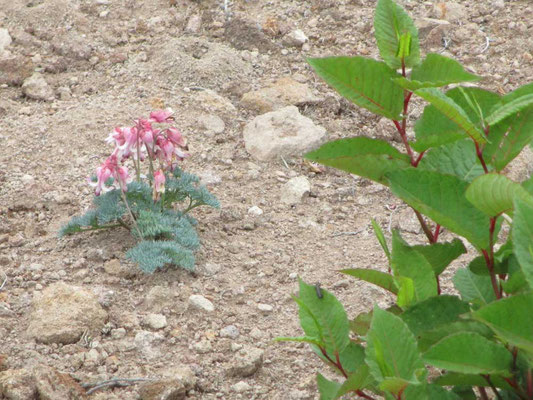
column 436, row 233
column 483, row 393
column 424, row 226
column 479, row 154
column 419, row 158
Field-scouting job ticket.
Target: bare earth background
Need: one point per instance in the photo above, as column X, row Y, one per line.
column 105, row 62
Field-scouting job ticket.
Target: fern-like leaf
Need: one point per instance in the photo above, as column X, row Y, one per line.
column 151, row 255
column 76, row 224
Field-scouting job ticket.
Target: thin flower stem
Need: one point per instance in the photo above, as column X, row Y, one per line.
column 129, row 211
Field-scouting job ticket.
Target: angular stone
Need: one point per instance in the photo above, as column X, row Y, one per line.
column 246, row 362
column 146, row 343
column 284, row 132
column 35, row 87
column 286, row 91
column 62, row 313
column 294, row 190
column 172, row 387
column 14, row 70
column 230, row 331
column 5, row 39
column 449, row 11
column 295, row 38
column 201, row 303
column 155, row 321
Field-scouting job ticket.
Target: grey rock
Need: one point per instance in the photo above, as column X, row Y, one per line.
column 155, row 321
column 5, row 312
column 209, row 178
column 230, row 331
column 286, row 91
column 35, row 87
column 449, row 11
column 212, row 123
column 284, row 132
column 265, row 308
column 294, row 190
column 498, row 4
column 194, row 24
column 116, row 268
column 146, row 342
column 210, row 269
column 158, row 297
column 246, row 362
column 173, row 386
column 62, row 313
column 201, row 303
column 241, row 387
column 295, row 38
column 203, row 346
column 117, row 334
column 5, row 39
column 255, row 211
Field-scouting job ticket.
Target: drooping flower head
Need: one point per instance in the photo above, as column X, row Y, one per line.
column 159, row 184
column 162, row 116
column 110, row 169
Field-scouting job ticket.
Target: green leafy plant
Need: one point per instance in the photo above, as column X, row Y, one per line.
column 147, row 206
column 430, row 345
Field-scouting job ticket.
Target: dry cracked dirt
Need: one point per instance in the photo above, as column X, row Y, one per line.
column 74, row 311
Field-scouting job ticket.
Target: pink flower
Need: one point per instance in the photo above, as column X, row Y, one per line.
column 161, row 116
column 110, row 169
column 159, row 184
column 175, row 137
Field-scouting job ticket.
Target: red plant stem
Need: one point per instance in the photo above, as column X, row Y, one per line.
column 493, row 279
column 338, row 364
column 401, row 131
column 419, row 158
column 529, row 383
column 483, row 393
column 479, row 154
column 425, row 227
column 436, row 234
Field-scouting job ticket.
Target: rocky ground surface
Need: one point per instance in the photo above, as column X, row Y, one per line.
column 73, row 311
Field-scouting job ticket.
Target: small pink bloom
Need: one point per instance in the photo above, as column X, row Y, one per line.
column 159, row 184
column 110, row 169
column 174, row 135
column 161, row 116
column 130, row 140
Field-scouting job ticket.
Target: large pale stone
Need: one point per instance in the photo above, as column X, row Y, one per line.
column 286, row 91
column 62, row 313
column 294, row 190
column 281, row 133
column 36, row 87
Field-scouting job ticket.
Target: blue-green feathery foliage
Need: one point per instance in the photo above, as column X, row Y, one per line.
column 168, row 235
column 76, row 224
column 182, row 185
column 151, row 255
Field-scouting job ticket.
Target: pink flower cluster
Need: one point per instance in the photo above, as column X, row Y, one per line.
column 139, row 141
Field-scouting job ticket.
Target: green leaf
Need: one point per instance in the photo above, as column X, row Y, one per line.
column 352, row 357
column 508, row 138
column 433, row 313
column 523, row 238
column 430, row 337
column 328, row 389
column 369, row 158
column 452, row 111
column 323, row 318
column 391, row 351
column 494, row 194
column 428, row 392
column 378, row 278
column 391, row 24
column 469, row 353
column 474, row 288
column 409, row 263
column 442, row 198
column 511, row 319
column 381, row 238
column 363, row 81
column 361, row 324
column 511, row 103
column 299, row 339
column 458, row 379
column 436, row 71
column 440, row 255
column 435, row 129
column 356, row 381
column 406, row 293
column 457, row 158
